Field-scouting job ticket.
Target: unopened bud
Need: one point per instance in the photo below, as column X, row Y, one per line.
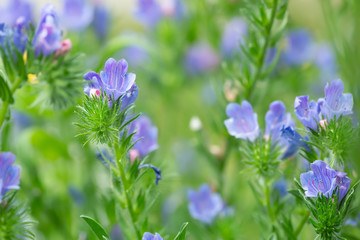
column 65, row 48
column 95, row 92
column 323, row 123
column 134, row 154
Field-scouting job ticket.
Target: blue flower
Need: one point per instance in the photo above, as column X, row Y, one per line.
column 295, row 141
column 13, row 37
column 9, row 174
column 343, row 182
column 101, row 22
column 14, row 10
column 242, row 122
column 157, row 171
column 205, row 205
column 298, row 49
column 325, row 60
column 145, row 137
column 148, row 12
column 335, row 102
column 150, row 236
column 201, row 58
column 115, row 81
column 233, row 35
column 275, row 119
column 307, row 112
column 77, row 14
column 48, row 35
column 323, row 179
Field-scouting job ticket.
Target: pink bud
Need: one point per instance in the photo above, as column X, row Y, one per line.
column 323, row 123
column 65, row 48
column 168, row 8
column 95, row 92
column 133, row 155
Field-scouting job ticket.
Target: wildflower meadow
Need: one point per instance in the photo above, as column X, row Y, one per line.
column 179, row 119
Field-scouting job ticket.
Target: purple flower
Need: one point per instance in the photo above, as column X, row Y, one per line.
column 11, row 37
column 343, row 182
column 276, row 119
column 233, row 35
column 146, row 136
column 135, row 55
column 150, row 236
column 242, row 122
column 324, row 59
column 157, row 171
column 101, row 22
column 307, row 112
column 280, row 187
column 9, row 174
column 77, row 14
column 299, row 47
column 115, row 81
column 14, row 10
column 48, row 35
column 200, row 58
column 148, row 12
column 336, row 103
column 295, row 141
column 205, row 205
column 323, row 179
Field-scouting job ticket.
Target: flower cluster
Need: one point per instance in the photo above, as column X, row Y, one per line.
column 114, row 81
column 333, row 105
column 323, row 180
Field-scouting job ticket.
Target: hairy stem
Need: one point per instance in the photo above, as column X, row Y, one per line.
column 263, row 50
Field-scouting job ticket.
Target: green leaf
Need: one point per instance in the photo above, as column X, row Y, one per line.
column 96, row 228
column 5, row 92
column 182, row 233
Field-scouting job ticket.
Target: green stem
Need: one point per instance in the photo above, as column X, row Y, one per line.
column 268, row 204
column 264, row 50
column 302, row 223
column 6, row 104
column 125, row 185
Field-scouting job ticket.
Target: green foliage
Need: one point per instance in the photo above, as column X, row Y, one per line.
column 182, row 233
column 335, row 140
column 99, row 122
column 263, row 156
column 14, row 220
column 96, row 228
column 267, row 21
column 5, row 93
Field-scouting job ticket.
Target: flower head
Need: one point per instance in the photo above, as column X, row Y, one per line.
column 48, row 35
column 233, row 36
column 323, row 179
column 146, row 136
column 9, row 174
column 276, row 118
column 101, row 21
column 299, row 48
column 242, row 122
column 200, row 58
column 307, row 112
column 150, row 236
column 335, row 102
column 204, row 205
column 77, row 14
column 14, row 10
column 115, row 81
column 148, row 12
